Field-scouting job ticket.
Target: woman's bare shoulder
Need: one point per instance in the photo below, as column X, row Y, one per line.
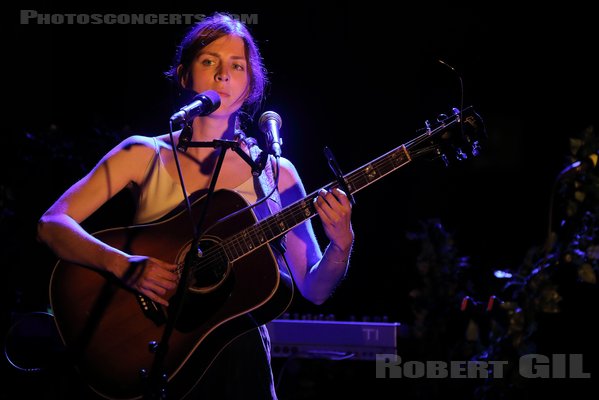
column 136, row 146
column 289, row 177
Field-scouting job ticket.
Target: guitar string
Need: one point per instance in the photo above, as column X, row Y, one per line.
column 239, row 240
column 298, row 209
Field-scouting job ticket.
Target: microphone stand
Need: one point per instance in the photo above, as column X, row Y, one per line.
column 157, row 379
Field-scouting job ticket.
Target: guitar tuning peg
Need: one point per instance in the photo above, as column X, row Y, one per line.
column 442, row 117
column 455, row 111
column 427, row 124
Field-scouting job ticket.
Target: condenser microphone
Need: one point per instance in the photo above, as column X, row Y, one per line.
column 270, row 123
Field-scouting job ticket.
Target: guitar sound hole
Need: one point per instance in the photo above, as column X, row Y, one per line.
column 212, row 269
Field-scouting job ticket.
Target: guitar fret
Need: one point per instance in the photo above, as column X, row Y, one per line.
column 370, row 173
column 359, row 181
column 269, row 225
column 247, row 240
column 307, row 210
column 239, row 247
column 243, row 245
column 398, row 158
column 384, row 168
column 281, row 226
column 350, row 187
column 254, row 236
column 227, row 250
column 391, row 162
column 296, row 216
column 234, row 249
column 261, row 235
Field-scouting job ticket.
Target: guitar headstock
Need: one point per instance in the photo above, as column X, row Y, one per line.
column 451, row 138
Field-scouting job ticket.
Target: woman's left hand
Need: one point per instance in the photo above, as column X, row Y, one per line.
column 334, row 209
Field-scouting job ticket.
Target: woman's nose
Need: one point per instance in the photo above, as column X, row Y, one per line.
column 222, row 76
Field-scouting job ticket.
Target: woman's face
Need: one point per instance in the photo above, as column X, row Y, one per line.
column 222, row 66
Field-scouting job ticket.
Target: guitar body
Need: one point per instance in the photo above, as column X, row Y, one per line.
column 110, row 329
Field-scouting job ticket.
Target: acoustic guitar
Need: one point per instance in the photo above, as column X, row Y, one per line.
column 236, row 285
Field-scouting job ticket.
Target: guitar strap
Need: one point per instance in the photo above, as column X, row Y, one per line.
column 264, row 184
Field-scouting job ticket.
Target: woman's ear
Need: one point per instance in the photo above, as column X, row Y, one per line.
column 182, row 79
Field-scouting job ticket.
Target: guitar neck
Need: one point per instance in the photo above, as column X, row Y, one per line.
column 294, row 214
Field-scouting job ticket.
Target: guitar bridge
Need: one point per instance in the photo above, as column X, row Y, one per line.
column 151, row 310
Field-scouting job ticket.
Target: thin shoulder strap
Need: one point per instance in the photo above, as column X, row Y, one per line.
column 156, row 145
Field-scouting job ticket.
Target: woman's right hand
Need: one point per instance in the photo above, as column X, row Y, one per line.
column 151, row 277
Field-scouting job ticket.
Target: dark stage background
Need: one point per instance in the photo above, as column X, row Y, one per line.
column 361, row 79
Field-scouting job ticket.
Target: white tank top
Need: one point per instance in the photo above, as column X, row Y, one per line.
column 160, row 193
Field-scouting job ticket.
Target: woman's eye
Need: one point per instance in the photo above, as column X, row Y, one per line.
column 239, row 67
column 207, row 62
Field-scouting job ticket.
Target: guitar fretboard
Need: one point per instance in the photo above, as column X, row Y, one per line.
column 294, row 214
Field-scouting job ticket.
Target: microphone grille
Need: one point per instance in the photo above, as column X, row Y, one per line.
column 268, row 116
column 209, row 96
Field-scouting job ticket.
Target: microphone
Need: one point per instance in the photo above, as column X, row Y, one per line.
column 270, row 123
column 202, row 104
